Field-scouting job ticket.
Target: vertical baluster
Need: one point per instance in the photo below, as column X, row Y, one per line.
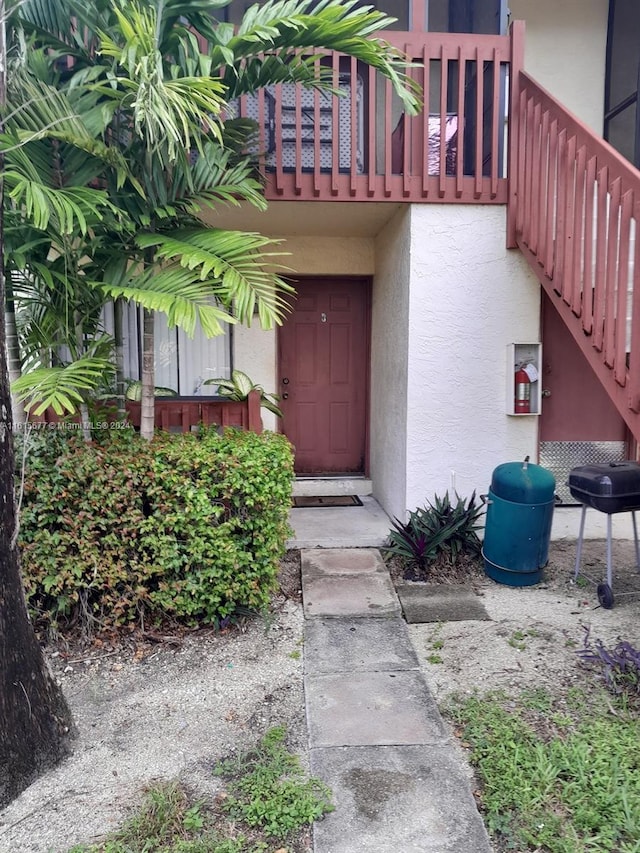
column 353, row 141
column 479, row 121
column 601, row 258
column 620, row 358
column 613, row 246
column 569, row 234
column 579, row 223
column 634, row 353
column 589, row 245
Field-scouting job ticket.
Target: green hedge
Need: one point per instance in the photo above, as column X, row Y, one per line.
column 186, row 526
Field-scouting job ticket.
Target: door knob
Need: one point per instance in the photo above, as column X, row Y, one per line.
column 285, row 396
column 546, row 393
column 285, row 381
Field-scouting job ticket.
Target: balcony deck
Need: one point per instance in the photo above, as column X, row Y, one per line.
column 361, row 146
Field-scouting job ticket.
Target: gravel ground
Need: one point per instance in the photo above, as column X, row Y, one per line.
column 164, row 712
column 532, row 635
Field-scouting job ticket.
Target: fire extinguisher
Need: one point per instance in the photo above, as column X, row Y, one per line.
column 522, row 402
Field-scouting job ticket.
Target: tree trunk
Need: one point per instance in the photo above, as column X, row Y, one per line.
column 35, row 723
column 147, row 404
column 14, row 361
column 118, row 311
column 84, row 409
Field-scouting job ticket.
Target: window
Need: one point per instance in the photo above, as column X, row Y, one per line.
column 622, row 118
column 181, row 363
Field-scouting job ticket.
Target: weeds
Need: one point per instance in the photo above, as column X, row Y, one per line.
column 267, row 788
column 267, row 800
column 552, row 781
column 619, row 666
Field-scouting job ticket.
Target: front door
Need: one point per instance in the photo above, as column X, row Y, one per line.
column 579, row 424
column 323, row 350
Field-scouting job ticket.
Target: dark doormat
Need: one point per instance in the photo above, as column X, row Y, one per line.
column 327, row 501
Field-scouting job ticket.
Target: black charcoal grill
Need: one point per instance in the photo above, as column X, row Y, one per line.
column 611, row 489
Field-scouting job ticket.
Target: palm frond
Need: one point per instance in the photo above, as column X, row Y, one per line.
column 285, row 27
column 176, row 292
column 61, row 388
column 239, row 267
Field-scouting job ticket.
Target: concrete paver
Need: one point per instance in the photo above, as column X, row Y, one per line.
column 412, row 799
column 342, row 561
column 424, row 602
column 371, row 709
column 365, row 526
column 375, row 733
column 354, row 645
column 367, row 595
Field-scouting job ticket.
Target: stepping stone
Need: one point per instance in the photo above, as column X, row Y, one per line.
column 365, row 595
column 341, row 561
column 413, row 799
column 343, row 645
column 371, row 709
column 424, row 602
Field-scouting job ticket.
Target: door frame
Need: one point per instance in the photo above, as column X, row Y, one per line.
column 367, row 282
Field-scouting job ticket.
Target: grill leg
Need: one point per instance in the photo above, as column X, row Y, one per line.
column 635, row 538
column 609, row 555
column 579, row 548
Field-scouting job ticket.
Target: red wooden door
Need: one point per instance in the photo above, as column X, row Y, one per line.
column 323, row 356
column 578, row 424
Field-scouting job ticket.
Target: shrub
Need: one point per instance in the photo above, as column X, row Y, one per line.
column 186, row 526
column 437, row 528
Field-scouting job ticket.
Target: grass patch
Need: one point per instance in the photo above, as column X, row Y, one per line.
column 559, row 777
column 268, row 790
column 267, row 801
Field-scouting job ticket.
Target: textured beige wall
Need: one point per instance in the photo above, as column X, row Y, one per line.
column 469, row 298
column 565, row 51
column 330, row 255
column 389, row 364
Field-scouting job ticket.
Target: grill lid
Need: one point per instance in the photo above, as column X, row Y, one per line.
column 610, row 488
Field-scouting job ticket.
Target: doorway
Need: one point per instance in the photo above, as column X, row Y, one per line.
column 323, row 358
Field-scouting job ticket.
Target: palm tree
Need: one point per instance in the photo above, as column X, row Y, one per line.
column 164, row 71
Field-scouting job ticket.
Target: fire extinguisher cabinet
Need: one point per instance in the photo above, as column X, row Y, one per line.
column 518, row 523
column 524, row 392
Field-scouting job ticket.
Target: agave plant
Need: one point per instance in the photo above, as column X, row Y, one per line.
column 239, row 387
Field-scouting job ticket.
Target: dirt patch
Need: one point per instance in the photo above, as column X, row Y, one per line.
column 533, row 632
column 162, row 709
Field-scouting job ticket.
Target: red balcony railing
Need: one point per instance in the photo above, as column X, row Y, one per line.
column 360, row 145
column 574, row 211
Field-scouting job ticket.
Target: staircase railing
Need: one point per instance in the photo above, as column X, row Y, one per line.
column 574, row 208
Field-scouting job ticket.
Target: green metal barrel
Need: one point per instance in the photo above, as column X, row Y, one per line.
column 518, row 523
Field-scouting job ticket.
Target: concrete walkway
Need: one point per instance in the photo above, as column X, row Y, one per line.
column 375, row 733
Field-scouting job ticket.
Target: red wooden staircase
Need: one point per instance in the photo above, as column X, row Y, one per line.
column 574, row 208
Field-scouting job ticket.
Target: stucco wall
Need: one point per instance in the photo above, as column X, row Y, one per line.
column 389, row 363
column 565, row 51
column 469, row 298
